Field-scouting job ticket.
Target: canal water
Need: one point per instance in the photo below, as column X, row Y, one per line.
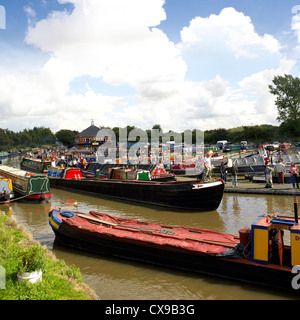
column 116, row 279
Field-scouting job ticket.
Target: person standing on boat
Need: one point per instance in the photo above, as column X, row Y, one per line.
column 293, row 173
column 234, row 172
column 279, row 168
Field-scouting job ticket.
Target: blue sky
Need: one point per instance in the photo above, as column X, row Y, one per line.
column 202, row 64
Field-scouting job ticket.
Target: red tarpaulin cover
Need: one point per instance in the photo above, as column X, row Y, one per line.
column 190, row 239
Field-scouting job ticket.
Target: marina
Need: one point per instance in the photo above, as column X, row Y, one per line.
column 150, row 150
column 112, row 278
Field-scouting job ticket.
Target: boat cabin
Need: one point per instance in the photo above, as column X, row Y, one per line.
column 122, row 173
column 35, row 165
column 128, row 174
column 267, row 242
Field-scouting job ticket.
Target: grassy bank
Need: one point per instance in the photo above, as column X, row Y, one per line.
column 60, row 281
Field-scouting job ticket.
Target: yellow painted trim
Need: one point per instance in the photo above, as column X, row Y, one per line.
column 54, row 223
column 261, row 244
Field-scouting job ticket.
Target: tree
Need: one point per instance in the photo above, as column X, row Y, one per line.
column 5, row 141
column 157, row 126
column 66, row 136
column 287, row 91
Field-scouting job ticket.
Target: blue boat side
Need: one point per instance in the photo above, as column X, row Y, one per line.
column 55, row 221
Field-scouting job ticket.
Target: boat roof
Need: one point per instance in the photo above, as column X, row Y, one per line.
column 36, row 159
column 14, row 171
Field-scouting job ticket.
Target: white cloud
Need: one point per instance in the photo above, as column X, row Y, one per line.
column 233, row 30
column 258, row 84
column 120, row 43
column 112, row 39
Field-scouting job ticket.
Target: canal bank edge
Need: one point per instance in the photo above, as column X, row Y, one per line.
column 60, row 281
column 259, row 188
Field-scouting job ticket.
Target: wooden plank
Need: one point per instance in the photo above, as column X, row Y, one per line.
column 96, row 220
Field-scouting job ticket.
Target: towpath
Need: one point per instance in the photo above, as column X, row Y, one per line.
column 244, row 186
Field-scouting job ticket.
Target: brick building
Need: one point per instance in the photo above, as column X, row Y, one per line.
column 89, row 139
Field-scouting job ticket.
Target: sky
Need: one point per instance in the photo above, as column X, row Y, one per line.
column 183, row 64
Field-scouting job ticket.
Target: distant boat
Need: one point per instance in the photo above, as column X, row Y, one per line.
column 3, row 155
column 190, row 168
column 27, row 186
column 284, row 146
column 35, row 165
column 231, row 147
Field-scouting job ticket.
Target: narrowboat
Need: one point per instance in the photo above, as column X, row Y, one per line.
column 3, row 155
column 191, row 168
column 64, row 173
column 6, row 190
column 35, row 165
column 257, row 255
column 136, row 186
column 27, row 186
column 284, row 146
column 231, row 147
column 184, row 168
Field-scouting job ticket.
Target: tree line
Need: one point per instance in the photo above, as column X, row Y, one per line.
column 28, row 138
column 42, row 137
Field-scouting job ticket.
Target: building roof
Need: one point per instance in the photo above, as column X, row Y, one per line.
column 91, row 131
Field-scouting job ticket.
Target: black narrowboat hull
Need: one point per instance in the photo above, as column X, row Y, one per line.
column 177, row 194
column 237, row 269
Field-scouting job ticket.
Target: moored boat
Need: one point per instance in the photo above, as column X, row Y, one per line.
column 64, row 173
column 194, row 195
column 3, row 155
column 35, row 165
column 257, row 256
column 6, row 190
column 284, row 146
column 27, row 186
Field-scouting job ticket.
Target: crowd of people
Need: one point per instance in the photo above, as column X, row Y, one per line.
column 279, row 168
column 61, row 158
column 271, row 169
